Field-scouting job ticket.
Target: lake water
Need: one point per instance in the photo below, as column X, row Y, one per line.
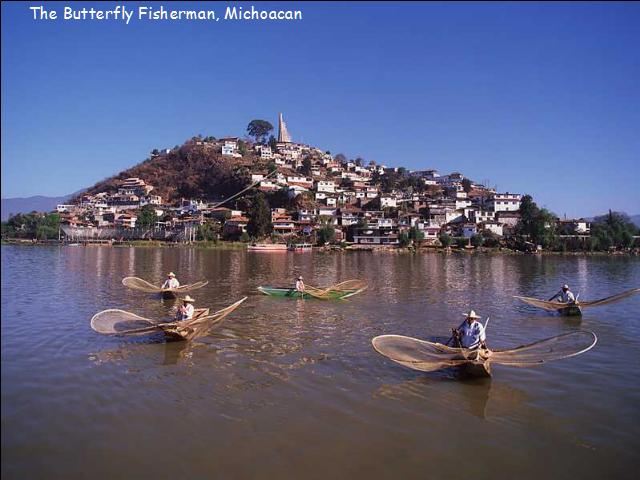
column 292, row 389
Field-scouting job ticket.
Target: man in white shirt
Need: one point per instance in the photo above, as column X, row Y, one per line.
column 470, row 334
column 171, row 282
column 564, row 295
column 185, row 312
column 299, row 284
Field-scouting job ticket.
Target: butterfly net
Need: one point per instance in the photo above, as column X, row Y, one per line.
column 547, row 305
column 141, row 285
column 429, row 356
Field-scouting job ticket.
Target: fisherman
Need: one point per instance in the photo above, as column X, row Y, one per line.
column 299, row 284
column 185, row 312
column 470, row 334
column 171, row 282
column 565, row 295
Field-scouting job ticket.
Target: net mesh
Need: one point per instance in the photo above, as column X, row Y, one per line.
column 343, row 289
column 429, row 356
column 121, row 322
column 611, row 299
column 583, row 304
column 141, row 285
column 191, row 287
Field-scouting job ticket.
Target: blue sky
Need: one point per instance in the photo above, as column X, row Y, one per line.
column 536, row 98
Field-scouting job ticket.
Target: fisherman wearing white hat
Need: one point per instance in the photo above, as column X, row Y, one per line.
column 185, row 312
column 299, row 284
column 565, row 295
column 470, row 334
column 171, row 282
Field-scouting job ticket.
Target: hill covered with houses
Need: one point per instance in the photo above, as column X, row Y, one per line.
column 296, row 192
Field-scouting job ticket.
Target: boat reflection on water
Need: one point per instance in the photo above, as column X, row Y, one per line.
column 152, row 351
column 481, row 397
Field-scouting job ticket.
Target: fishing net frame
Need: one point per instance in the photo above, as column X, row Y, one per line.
column 142, row 285
column 430, row 356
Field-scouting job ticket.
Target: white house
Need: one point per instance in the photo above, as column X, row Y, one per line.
column 265, row 152
column 504, row 202
column 494, row 227
column 481, row 216
column 463, row 203
column 388, row 202
column 300, row 181
column 229, row 146
column 328, row 186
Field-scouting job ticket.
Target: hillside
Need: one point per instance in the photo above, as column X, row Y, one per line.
column 197, row 169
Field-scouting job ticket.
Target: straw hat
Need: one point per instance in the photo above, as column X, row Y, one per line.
column 471, row 314
column 299, row 277
column 565, row 287
column 188, row 299
column 171, row 274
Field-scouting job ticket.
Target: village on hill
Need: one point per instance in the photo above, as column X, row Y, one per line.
column 295, row 193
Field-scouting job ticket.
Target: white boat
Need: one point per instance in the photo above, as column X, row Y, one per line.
column 267, row 247
column 301, row 247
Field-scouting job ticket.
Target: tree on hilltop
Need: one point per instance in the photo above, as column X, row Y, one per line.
column 259, row 129
column 340, row 158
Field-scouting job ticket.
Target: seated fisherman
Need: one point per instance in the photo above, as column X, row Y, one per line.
column 470, row 334
column 185, row 312
column 171, row 281
column 299, row 284
column 564, row 295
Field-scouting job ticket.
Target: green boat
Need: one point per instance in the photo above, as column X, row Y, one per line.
column 293, row 293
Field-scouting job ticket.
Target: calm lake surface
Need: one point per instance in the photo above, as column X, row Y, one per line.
column 292, row 388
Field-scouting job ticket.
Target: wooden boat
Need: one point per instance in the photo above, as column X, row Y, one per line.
column 121, row 322
column 428, row 356
column 572, row 310
column 293, row 293
column 168, row 294
column 181, row 330
column 267, row 247
column 576, row 307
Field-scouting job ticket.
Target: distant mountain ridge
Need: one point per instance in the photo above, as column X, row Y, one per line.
column 634, row 218
column 39, row 203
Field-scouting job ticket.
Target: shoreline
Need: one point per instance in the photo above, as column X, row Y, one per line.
column 229, row 245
